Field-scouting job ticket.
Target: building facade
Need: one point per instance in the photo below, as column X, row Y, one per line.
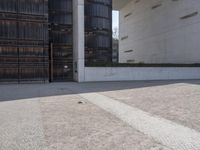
column 59, row 40
column 38, row 39
column 98, row 32
column 159, row 31
column 115, row 51
column 23, row 40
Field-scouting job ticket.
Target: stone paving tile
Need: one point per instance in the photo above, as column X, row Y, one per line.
column 56, row 122
column 21, row 126
column 168, row 133
column 177, row 102
column 87, row 127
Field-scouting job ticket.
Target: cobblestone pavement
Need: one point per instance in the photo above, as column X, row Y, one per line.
column 55, row 117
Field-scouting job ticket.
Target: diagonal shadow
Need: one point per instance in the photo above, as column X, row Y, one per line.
column 10, row 92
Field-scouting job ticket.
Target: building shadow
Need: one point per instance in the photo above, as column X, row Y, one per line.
column 11, row 92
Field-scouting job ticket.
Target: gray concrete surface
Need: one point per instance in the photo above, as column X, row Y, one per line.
column 178, row 102
column 168, row 133
column 48, row 116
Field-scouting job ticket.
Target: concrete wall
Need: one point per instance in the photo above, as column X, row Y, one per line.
column 155, row 33
column 78, row 40
column 153, row 39
column 134, row 73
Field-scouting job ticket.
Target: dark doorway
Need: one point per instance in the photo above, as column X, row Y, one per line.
column 60, row 40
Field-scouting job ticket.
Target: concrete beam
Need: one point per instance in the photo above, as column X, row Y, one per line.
column 118, row 4
column 78, row 40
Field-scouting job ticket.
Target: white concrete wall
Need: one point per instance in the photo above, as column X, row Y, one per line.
column 159, row 35
column 78, row 40
column 155, row 36
column 137, row 73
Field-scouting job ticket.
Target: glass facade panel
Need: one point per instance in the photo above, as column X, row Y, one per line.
column 36, row 38
column 98, row 32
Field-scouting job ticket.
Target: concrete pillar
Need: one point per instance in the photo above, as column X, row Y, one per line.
column 78, row 40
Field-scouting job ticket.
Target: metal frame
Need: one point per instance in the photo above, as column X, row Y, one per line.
column 58, row 63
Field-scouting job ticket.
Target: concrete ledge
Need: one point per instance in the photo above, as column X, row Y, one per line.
column 140, row 73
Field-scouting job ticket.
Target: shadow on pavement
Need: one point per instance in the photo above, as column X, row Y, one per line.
column 11, row 92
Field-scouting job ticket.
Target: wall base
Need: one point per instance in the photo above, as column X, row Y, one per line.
column 93, row 74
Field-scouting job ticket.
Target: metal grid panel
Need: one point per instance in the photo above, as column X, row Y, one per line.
column 61, row 39
column 98, row 32
column 23, row 40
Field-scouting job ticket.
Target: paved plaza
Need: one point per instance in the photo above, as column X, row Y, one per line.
column 136, row 115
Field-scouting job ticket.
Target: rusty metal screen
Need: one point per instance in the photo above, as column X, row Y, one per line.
column 23, row 40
